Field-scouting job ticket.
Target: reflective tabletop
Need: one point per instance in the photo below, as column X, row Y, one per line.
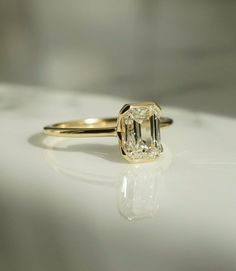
column 75, row 204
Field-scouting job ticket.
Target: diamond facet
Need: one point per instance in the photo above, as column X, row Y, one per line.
column 139, row 128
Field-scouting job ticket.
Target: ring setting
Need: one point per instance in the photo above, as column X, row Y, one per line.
column 137, row 128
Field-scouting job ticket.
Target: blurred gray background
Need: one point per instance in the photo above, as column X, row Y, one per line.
column 164, row 49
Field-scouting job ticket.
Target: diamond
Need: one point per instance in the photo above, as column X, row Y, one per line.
column 139, row 128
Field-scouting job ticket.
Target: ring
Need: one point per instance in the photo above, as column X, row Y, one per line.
column 137, row 128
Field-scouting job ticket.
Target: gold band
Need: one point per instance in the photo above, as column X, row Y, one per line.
column 91, row 127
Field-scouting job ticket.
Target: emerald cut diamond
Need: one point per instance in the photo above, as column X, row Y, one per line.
column 139, row 131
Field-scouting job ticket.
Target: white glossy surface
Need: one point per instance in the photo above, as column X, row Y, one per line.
column 74, row 204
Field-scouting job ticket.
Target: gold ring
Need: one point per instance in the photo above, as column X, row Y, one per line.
column 137, row 128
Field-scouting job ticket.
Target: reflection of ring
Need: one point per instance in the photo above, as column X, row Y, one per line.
column 137, row 127
column 139, row 188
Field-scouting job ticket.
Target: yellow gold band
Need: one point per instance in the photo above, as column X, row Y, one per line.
column 91, row 127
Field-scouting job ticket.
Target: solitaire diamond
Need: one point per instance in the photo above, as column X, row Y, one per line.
column 139, row 131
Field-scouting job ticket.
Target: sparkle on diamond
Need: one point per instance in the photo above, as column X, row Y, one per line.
column 141, row 133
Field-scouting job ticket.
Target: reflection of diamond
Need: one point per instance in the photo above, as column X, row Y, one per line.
column 140, row 138
column 137, row 197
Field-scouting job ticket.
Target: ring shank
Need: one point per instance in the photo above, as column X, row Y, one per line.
column 91, row 127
